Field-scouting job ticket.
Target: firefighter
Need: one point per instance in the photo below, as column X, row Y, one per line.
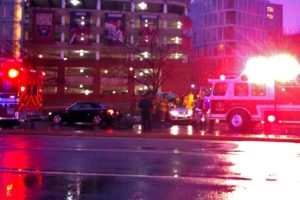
column 189, row 101
column 163, row 108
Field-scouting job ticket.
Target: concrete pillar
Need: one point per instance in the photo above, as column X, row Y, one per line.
column 62, row 54
column 98, row 4
column 62, row 37
column 186, row 11
column 132, row 39
column 165, row 7
column 98, row 38
column 132, row 7
column 97, row 55
column 63, row 3
column 165, row 24
column 60, row 80
column 96, row 79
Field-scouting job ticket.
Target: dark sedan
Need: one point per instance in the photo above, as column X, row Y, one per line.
column 86, row 112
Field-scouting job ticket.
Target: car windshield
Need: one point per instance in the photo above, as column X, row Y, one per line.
column 90, row 105
column 98, row 105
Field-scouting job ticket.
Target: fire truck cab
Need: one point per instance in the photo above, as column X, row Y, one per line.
column 21, row 93
column 241, row 103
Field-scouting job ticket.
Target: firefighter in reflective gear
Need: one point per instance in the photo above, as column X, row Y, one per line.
column 189, row 101
column 163, row 108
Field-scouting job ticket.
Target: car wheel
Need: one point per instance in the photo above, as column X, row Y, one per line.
column 239, row 120
column 96, row 120
column 56, row 119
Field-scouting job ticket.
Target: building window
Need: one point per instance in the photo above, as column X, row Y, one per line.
column 113, row 80
column 270, row 9
column 155, row 7
column 230, row 17
column 221, row 18
column 50, row 89
column 50, row 81
column 4, row 12
column 175, row 9
column 115, row 5
column 79, row 80
column 229, row 33
column 220, row 4
column 229, row 4
column 270, row 16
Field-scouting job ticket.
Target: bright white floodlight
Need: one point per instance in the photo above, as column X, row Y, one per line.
column 142, row 6
column 267, row 70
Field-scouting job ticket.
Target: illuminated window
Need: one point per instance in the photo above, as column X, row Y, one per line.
column 50, row 82
column 79, row 80
column 270, row 9
column 75, row 2
column 270, row 16
column 113, row 81
column 142, row 6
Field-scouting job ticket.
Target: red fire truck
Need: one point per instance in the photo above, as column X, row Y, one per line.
column 241, row 102
column 21, row 93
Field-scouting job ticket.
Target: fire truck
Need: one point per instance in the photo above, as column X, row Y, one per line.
column 242, row 102
column 21, row 93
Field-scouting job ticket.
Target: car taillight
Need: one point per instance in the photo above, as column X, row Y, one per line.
column 110, row 112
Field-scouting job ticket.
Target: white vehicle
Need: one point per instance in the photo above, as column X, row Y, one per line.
column 241, row 101
column 180, row 113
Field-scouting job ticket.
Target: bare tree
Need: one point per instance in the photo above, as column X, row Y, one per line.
column 152, row 64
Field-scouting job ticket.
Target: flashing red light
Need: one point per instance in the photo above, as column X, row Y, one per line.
column 271, row 118
column 13, row 73
column 22, row 88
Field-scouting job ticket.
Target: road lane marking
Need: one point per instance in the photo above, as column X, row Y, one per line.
column 166, row 177
column 202, row 151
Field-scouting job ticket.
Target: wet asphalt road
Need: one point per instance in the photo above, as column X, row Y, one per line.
column 72, row 167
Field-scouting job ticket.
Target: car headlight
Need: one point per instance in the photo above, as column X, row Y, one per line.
column 190, row 112
column 110, row 112
column 50, row 113
column 174, row 113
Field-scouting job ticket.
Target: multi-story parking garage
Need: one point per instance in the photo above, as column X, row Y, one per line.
column 84, row 46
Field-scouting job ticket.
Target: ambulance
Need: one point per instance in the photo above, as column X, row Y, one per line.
column 21, row 93
column 268, row 91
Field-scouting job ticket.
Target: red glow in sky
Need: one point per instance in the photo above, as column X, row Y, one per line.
column 291, row 15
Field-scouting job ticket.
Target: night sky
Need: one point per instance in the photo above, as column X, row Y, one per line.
column 291, row 15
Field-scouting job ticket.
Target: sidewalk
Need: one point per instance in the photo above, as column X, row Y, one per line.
column 164, row 132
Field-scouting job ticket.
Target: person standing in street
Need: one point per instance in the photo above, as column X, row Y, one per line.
column 163, row 108
column 145, row 104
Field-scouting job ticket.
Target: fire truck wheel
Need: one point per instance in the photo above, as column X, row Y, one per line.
column 96, row 120
column 56, row 119
column 239, row 120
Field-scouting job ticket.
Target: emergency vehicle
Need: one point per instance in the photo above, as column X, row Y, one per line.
column 21, row 93
column 242, row 102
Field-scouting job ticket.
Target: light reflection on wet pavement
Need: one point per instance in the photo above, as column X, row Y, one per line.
column 179, row 130
column 71, row 168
